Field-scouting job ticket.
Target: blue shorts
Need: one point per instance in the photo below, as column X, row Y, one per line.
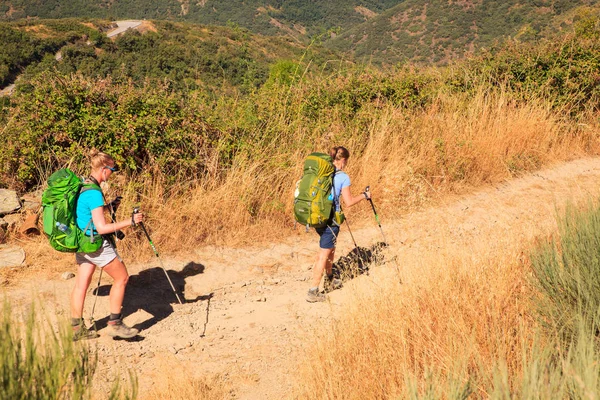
column 328, row 236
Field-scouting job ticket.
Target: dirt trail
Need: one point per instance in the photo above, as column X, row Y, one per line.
column 246, row 313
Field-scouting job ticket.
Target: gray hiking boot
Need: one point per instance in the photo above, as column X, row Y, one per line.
column 118, row 329
column 314, row 296
column 80, row 332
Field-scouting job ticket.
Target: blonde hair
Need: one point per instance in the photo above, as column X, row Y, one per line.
column 99, row 159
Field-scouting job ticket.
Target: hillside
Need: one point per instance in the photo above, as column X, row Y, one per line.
column 297, row 17
column 189, row 55
column 380, row 31
column 439, row 30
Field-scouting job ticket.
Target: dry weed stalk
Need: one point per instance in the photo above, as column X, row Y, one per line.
column 458, row 317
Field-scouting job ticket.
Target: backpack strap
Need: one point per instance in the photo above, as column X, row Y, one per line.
column 84, row 188
column 335, row 196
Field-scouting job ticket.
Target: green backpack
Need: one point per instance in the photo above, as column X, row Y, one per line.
column 313, row 199
column 60, row 203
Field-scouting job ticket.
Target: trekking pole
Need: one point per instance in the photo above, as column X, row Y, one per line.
column 135, row 211
column 384, row 240
column 376, row 216
column 92, row 322
column 350, row 231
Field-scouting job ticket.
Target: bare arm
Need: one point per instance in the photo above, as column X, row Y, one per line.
column 350, row 200
column 103, row 228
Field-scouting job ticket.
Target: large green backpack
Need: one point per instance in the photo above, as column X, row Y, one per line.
column 313, row 199
column 60, row 203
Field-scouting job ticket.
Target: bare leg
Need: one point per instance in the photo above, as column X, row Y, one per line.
column 329, row 265
column 116, row 269
column 85, row 272
column 324, row 258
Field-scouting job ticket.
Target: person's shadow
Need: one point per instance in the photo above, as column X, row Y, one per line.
column 356, row 262
column 151, row 292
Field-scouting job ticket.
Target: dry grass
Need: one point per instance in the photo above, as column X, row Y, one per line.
column 407, row 158
column 446, row 331
column 182, row 385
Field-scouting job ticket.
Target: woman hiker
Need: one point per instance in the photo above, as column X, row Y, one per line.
column 90, row 219
column 328, row 234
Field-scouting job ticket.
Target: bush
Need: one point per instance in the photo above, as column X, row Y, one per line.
column 33, row 369
column 567, row 274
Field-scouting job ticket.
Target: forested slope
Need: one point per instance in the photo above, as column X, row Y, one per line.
column 380, row 31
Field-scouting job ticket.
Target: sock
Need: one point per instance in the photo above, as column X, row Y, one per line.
column 76, row 321
column 114, row 319
column 314, row 289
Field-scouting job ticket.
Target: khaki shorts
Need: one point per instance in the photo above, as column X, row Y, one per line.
column 101, row 257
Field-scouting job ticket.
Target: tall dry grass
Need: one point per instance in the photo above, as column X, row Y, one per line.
column 408, row 157
column 458, row 321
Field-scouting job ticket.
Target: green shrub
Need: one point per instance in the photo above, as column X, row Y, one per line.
column 567, row 274
column 38, row 363
column 32, row 368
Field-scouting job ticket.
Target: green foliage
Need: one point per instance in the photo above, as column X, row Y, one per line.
column 34, row 369
column 60, row 120
column 188, row 56
column 24, row 44
column 567, row 274
column 565, row 71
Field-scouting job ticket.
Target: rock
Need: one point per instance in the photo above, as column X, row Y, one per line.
column 67, row 275
column 11, row 256
column 13, row 220
column 3, row 230
column 32, row 201
column 261, row 299
column 9, row 201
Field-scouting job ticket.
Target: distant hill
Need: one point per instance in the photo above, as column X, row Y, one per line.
column 190, row 56
column 296, row 17
column 436, row 31
column 380, row 31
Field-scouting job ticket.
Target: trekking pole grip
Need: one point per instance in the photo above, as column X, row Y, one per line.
column 135, row 211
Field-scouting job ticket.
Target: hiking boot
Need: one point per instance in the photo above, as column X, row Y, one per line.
column 80, row 332
column 332, row 283
column 315, row 296
column 117, row 329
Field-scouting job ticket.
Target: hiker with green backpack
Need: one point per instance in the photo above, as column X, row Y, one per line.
column 98, row 250
column 317, row 204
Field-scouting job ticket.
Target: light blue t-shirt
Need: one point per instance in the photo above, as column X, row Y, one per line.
column 88, row 200
column 340, row 181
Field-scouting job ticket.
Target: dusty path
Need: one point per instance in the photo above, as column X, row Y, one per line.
column 246, row 315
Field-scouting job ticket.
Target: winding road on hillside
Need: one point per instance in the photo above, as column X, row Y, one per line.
column 246, row 318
